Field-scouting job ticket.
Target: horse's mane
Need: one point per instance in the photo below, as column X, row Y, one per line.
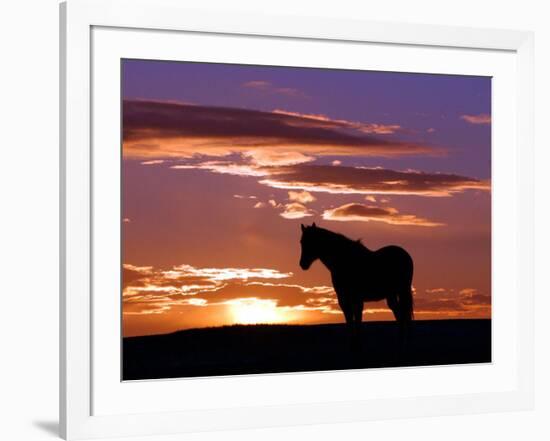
column 356, row 245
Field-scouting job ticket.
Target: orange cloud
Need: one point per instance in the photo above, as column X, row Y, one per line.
column 240, row 196
column 367, row 213
column 220, row 274
column 267, row 157
column 345, row 180
column 295, row 210
column 436, row 290
column 303, row 197
column 156, row 300
column 153, row 291
column 229, row 168
column 467, row 302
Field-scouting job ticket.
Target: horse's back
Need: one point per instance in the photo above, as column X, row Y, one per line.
column 394, row 252
column 394, row 263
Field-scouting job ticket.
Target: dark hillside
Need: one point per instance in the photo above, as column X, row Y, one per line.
column 253, row 349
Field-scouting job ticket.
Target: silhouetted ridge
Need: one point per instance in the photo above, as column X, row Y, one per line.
column 256, row 349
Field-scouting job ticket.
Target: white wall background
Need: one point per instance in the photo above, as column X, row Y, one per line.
column 29, row 204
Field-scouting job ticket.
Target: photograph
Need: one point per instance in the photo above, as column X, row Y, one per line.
column 283, row 219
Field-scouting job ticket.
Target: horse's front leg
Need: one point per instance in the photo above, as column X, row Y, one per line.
column 353, row 313
column 346, row 307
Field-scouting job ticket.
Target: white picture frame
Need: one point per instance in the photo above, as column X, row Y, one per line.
column 77, row 417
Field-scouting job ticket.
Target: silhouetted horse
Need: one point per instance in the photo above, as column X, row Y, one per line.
column 360, row 275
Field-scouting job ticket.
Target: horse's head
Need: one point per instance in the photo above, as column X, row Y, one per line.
column 309, row 245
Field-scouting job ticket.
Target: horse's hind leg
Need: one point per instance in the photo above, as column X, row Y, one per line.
column 357, row 316
column 406, row 313
column 393, row 304
column 349, row 314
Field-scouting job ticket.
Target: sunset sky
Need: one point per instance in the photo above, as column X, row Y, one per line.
column 221, row 164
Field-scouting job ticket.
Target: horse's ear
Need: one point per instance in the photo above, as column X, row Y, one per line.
column 303, row 228
column 313, row 225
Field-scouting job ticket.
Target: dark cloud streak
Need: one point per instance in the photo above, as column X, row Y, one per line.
column 353, row 180
column 165, row 129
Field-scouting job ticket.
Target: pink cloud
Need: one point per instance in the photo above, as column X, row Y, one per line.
column 268, row 87
column 370, row 181
column 325, row 121
column 153, row 162
column 482, row 118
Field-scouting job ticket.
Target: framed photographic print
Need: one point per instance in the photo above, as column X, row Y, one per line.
column 215, row 194
column 287, row 220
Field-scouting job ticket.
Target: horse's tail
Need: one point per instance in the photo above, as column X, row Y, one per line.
column 406, row 305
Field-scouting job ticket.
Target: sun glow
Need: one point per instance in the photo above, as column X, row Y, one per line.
column 254, row 311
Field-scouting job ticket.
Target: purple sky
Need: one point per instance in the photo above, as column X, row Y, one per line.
column 417, row 102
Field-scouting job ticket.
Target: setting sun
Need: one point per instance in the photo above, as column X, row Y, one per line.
column 254, row 311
